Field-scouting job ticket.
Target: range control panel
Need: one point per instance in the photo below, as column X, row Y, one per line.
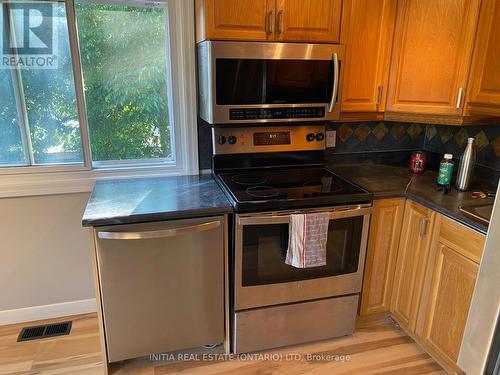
column 242, row 140
column 276, row 113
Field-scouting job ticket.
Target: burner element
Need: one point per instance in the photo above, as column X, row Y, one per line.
column 262, row 191
column 242, row 179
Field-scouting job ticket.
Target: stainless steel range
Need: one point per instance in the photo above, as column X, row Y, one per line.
column 270, row 173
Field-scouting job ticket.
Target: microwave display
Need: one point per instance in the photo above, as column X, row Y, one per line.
column 271, row 138
column 268, row 81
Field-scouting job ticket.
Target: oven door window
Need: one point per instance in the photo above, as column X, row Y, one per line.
column 265, row 246
column 252, row 81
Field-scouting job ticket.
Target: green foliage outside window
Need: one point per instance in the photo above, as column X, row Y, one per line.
column 123, row 54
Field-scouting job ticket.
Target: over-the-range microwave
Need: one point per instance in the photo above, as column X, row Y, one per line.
column 252, row 82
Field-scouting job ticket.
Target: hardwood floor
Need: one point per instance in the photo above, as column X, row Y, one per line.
column 377, row 347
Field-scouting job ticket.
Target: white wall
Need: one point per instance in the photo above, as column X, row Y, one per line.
column 45, row 257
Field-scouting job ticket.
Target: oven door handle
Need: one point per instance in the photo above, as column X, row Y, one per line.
column 285, row 219
column 335, row 83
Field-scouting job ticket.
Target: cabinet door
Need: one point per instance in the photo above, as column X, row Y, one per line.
column 447, row 292
column 383, row 240
column 309, row 20
column 431, row 56
column 451, row 293
column 368, row 40
column 412, row 257
column 234, row 19
column 484, row 84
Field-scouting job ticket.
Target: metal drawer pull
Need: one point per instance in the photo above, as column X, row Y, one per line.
column 164, row 233
column 380, row 89
column 279, row 30
column 270, row 22
column 459, row 98
column 423, row 226
column 335, row 87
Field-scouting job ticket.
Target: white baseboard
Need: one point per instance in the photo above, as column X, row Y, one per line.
column 43, row 312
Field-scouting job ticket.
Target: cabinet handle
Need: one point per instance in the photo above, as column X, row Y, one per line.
column 459, row 98
column 423, row 226
column 335, row 87
column 279, row 26
column 380, row 89
column 158, row 233
column 270, row 20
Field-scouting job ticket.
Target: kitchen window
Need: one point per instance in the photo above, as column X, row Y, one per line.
column 39, row 120
column 123, row 50
column 119, row 97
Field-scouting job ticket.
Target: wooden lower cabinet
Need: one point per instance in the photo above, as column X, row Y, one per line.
column 435, row 272
column 413, row 253
column 383, row 240
column 452, row 270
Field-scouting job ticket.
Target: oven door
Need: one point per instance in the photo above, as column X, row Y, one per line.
column 261, row 276
column 249, row 82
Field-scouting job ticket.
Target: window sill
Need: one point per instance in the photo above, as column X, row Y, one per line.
column 36, row 184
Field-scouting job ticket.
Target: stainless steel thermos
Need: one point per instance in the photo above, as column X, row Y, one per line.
column 466, row 166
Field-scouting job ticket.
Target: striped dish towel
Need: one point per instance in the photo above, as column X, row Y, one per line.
column 307, row 240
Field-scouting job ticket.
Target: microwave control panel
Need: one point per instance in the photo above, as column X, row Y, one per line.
column 276, row 113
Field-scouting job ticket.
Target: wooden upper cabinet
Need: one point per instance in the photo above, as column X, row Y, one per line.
column 234, row 19
column 413, row 251
column 452, row 271
column 308, row 20
column 484, row 83
column 383, row 241
column 367, row 32
column 282, row 20
column 431, row 56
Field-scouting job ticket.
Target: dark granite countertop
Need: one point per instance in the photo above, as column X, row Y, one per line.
column 125, row 201
column 386, row 181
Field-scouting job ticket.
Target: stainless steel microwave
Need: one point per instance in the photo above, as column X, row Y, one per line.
column 252, row 82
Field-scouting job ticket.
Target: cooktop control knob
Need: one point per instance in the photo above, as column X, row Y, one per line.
column 310, row 137
column 320, row 136
column 231, row 139
column 221, row 140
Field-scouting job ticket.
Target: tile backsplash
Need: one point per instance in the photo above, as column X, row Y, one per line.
column 365, row 137
column 372, row 139
column 382, row 136
column 453, row 139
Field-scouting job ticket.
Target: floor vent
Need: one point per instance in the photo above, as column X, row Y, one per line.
column 41, row 332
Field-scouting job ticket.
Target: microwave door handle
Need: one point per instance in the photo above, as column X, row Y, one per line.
column 335, row 84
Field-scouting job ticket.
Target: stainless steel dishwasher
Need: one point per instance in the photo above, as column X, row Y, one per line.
column 161, row 285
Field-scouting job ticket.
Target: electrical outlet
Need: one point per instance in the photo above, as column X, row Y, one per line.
column 331, row 138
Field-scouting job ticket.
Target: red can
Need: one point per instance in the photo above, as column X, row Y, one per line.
column 417, row 162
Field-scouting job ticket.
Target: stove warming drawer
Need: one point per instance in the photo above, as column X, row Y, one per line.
column 277, row 326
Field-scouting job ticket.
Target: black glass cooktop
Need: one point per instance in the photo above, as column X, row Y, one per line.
column 268, row 189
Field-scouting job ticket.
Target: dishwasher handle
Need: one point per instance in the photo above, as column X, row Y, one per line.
column 163, row 233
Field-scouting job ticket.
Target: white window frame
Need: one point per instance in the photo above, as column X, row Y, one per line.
column 181, row 64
